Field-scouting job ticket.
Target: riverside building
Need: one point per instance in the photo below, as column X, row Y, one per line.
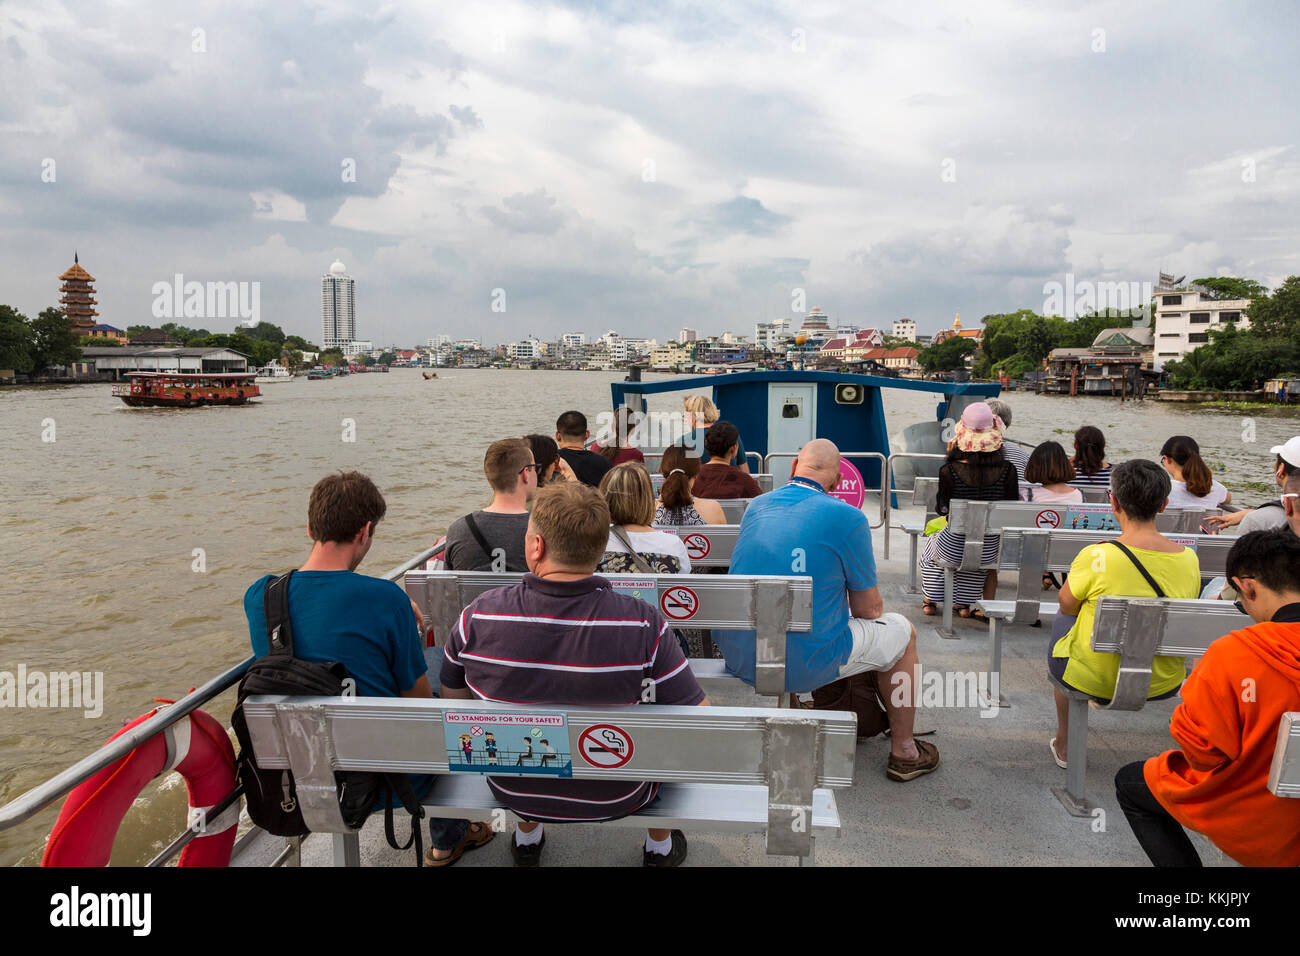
column 338, row 307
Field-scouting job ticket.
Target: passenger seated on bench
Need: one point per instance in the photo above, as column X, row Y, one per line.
column 677, row 504
column 1193, row 485
column 976, row 470
column 581, row 643
column 717, row 479
column 628, row 492
column 1091, row 469
column 1138, row 492
column 799, row 529
column 1270, row 514
column 492, row 538
column 1226, row 727
column 367, row 624
column 1049, row 467
column 1018, row 457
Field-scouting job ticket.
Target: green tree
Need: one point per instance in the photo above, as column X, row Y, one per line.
column 1235, row 359
column 387, row 358
column 1278, row 316
column 15, row 340
column 53, row 340
column 947, row 355
column 331, row 357
column 133, row 330
column 1230, row 287
column 299, row 343
column 262, row 332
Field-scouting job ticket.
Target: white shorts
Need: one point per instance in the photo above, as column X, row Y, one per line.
column 877, row 644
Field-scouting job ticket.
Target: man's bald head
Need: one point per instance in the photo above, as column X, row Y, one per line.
column 819, row 460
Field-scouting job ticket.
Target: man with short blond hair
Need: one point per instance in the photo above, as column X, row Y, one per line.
column 492, row 538
column 564, row 636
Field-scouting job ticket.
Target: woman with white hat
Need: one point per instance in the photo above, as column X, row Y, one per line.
column 976, row 470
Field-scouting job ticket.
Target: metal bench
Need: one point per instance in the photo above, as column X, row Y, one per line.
column 764, row 482
column 1138, row 630
column 768, row 604
column 1032, row 552
column 975, row 519
column 722, row 768
column 925, row 492
column 1284, row 772
column 709, row 545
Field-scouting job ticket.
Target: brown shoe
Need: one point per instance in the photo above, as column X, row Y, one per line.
column 926, row 761
column 476, row 834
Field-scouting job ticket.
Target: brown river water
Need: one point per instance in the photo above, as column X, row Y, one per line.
column 99, row 527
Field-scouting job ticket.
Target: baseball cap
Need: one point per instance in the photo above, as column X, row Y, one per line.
column 1290, row 452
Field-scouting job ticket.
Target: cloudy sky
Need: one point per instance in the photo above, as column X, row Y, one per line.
column 642, row 166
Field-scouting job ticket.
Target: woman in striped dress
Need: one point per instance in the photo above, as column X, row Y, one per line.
column 976, row 470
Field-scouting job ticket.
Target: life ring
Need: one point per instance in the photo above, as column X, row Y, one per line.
column 198, row 748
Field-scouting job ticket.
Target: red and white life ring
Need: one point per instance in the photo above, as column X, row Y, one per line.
column 199, row 749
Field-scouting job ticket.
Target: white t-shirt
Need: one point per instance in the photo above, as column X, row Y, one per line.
column 654, row 542
column 1180, row 497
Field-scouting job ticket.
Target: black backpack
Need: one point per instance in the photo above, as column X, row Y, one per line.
column 271, row 796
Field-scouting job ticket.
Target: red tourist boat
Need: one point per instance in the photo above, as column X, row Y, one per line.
column 175, row 390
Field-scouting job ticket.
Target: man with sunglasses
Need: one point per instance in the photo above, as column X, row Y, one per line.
column 1226, row 727
column 492, row 539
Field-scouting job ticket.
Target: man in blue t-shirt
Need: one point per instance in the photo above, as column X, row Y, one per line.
column 367, row 624
column 799, row 529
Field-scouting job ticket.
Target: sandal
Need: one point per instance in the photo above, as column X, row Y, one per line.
column 929, row 608
column 963, row 611
column 978, row 615
column 475, row 836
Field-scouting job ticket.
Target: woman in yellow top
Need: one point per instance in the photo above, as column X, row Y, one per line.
column 1139, row 491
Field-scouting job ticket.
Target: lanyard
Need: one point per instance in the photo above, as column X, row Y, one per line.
column 806, row 482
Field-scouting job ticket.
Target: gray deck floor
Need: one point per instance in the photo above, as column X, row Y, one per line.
column 990, row 802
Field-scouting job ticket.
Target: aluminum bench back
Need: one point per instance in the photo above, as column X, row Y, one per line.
column 1284, row 773
column 770, row 605
column 791, row 753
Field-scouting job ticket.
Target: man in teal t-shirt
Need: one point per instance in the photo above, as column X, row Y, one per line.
column 799, row 529
column 367, row 624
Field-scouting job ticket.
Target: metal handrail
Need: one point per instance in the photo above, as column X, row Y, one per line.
column 28, row 804
column 889, row 468
column 884, row 497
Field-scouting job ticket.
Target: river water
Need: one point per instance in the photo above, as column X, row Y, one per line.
column 128, row 536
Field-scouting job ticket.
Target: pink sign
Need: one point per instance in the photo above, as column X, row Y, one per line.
column 851, row 489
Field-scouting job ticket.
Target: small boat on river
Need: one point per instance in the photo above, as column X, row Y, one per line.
column 177, row 390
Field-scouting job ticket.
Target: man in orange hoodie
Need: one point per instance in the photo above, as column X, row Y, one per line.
column 1227, row 727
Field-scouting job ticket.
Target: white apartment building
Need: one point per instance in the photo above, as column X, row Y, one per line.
column 573, row 340
column 771, row 335
column 1185, row 318
column 667, row 356
column 685, row 336
column 904, row 329
column 438, row 341
column 356, row 347
column 526, row 350
column 338, row 307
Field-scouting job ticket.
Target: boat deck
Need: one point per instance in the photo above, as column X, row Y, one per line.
column 990, row 803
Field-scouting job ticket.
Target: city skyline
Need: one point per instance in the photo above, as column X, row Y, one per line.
column 707, row 171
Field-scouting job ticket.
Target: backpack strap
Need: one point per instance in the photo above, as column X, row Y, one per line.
column 279, row 632
column 478, row 535
column 400, row 784
column 1138, row 564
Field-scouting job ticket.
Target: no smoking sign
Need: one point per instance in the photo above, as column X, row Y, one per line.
column 679, row 603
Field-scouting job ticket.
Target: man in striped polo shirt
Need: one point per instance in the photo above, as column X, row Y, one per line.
column 563, row 636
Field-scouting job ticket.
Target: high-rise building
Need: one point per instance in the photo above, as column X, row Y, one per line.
column 687, row 335
column 338, row 307
column 771, row 335
column 815, row 321
column 574, row 340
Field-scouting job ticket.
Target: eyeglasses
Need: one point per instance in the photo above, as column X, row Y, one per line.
column 533, row 466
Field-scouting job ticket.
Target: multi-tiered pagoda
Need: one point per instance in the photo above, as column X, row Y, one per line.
column 78, row 297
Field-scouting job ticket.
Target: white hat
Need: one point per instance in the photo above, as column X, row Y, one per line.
column 1290, row 452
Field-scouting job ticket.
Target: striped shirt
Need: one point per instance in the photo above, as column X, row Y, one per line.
column 1100, row 479
column 556, row 643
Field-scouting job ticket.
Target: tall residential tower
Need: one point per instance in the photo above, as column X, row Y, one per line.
column 338, row 308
